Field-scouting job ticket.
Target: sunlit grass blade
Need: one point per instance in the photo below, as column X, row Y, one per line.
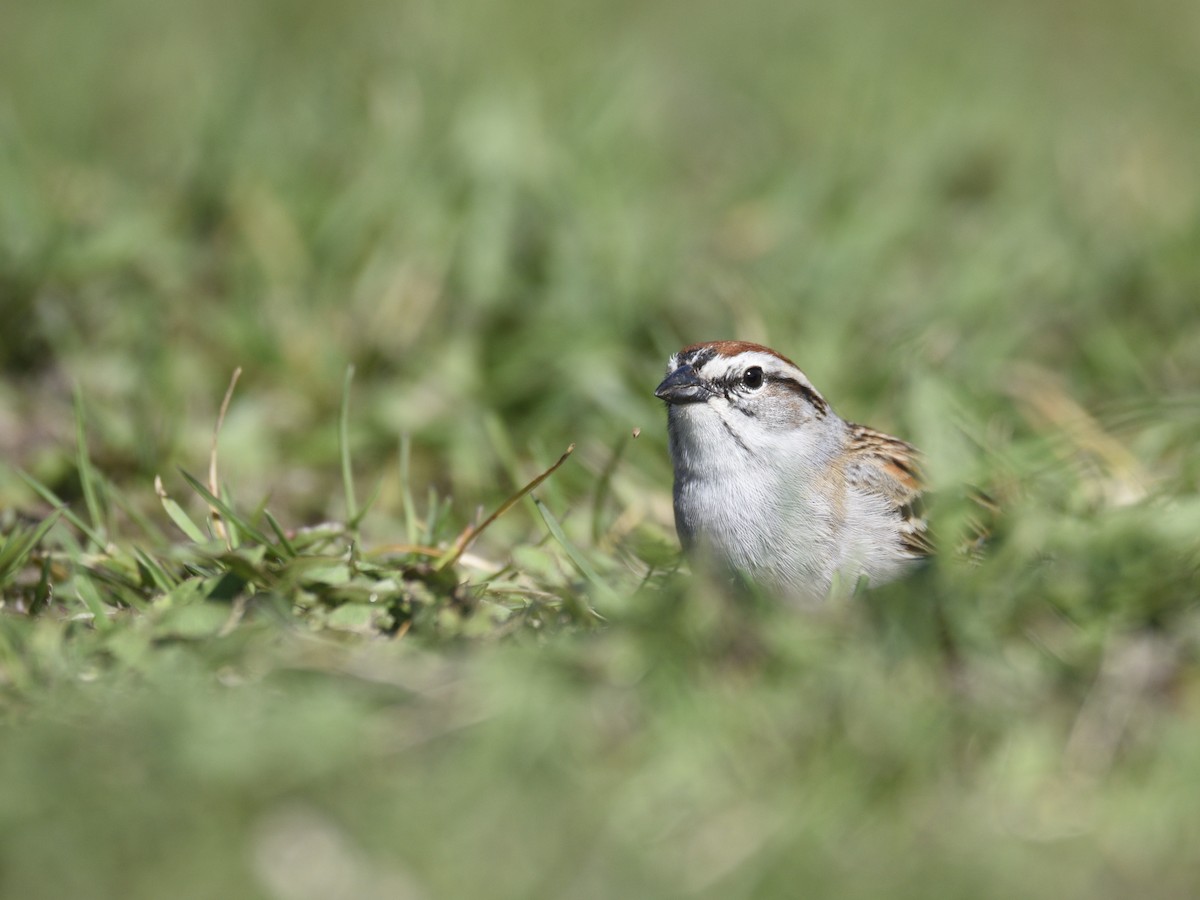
column 228, row 513
column 411, row 526
column 344, row 448
column 214, row 481
column 233, row 535
column 177, row 514
column 577, row 559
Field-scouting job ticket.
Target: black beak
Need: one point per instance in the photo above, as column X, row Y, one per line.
column 683, row 386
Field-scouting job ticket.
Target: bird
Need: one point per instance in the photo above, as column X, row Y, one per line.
column 772, row 485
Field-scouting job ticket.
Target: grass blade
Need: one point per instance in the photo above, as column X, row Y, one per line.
column 86, row 589
column 233, row 537
column 344, row 446
column 162, row 579
column 21, row 543
column 52, row 498
column 410, row 507
column 577, row 559
column 465, row 539
column 604, row 485
column 228, row 512
column 87, row 481
column 177, row 514
column 279, row 533
column 366, row 507
column 214, row 483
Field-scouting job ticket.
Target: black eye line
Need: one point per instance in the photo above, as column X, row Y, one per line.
column 733, row 381
column 803, row 390
column 737, row 379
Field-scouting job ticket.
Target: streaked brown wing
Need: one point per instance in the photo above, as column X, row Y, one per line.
column 887, row 467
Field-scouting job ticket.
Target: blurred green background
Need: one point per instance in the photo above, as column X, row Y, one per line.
column 974, row 225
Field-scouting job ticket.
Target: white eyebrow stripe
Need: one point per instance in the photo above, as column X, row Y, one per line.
column 728, row 369
column 727, row 366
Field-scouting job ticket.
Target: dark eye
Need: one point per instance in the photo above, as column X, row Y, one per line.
column 753, row 378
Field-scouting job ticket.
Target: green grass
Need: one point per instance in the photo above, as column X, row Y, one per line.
column 444, row 242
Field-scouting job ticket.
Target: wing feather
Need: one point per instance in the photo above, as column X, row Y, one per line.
column 887, row 467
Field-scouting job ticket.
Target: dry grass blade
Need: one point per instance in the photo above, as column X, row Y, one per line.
column 464, row 540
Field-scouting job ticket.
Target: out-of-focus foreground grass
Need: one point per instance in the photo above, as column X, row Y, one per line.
column 976, row 225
